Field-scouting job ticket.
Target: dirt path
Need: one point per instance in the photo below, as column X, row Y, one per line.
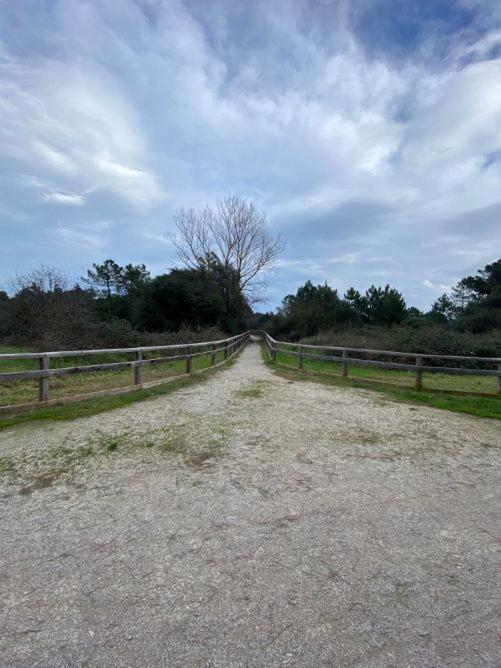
column 252, row 521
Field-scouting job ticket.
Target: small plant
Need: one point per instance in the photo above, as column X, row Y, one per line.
column 253, row 391
column 111, row 445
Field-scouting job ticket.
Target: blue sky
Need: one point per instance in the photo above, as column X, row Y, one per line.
column 368, row 130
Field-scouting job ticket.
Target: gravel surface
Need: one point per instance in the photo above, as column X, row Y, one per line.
column 252, row 521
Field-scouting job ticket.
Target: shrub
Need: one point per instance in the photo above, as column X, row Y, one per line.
column 427, row 340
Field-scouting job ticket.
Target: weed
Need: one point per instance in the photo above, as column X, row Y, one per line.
column 253, row 391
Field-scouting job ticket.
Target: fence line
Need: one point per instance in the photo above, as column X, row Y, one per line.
column 228, row 347
column 302, row 352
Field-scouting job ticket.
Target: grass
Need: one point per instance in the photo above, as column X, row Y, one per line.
column 26, row 391
column 431, row 381
column 377, row 379
column 253, row 391
column 89, row 407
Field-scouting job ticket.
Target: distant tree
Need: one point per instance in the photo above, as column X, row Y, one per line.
column 134, row 278
column 475, row 301
column 234, row 240
column 358, row 306
column 106, row 279
column 385, row 306
column 442, row 310
column 462, row 294
column 478, row 300
column 487, row 281
column 314, row 308
column 46, row 312
column 181, row 297
column 43, row 278
column 5, row 315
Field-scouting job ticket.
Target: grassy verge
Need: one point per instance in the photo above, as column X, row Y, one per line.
column 89, row 407
column 26, row 391
column 486, row 407
column 431, row 381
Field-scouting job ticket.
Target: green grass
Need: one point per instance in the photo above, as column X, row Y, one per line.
column 97, row 405
column 486, row 407
column 253, row 391
column 26, row 391
column 431, row 381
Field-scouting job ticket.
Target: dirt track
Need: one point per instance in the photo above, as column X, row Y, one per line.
column 252, row 521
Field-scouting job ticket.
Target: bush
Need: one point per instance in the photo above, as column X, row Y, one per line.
column 427, row 340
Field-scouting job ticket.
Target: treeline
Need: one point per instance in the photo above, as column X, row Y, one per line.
column 114, row 305
column 225, row 254
column 465, row 322
column 118, row 306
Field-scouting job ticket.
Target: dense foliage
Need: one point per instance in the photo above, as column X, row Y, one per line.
column 466, row 322
column 120, row 306
column 117, row 306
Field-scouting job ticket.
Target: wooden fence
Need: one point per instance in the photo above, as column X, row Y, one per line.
column 188, row 352
column 364, row 357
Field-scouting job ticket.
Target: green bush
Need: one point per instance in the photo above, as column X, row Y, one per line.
column 427, row 340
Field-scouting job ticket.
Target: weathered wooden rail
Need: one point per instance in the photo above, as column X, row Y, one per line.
column 360, row 356
column 188, row 352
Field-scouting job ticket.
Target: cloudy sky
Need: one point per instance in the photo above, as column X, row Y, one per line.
column 368, row 130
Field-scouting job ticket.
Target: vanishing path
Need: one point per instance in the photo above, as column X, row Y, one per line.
column 252, row 521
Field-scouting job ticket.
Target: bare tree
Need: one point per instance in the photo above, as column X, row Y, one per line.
column 42, row 278
column 232, row 238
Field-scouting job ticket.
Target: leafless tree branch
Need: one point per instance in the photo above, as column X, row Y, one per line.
column 235, row 236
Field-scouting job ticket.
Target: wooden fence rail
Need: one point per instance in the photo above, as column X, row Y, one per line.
column 187, row 352
column 347, row 356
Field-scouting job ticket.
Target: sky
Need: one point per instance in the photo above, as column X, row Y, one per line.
column 369, row 131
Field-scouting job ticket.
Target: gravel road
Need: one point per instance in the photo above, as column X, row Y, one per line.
column 248, row 520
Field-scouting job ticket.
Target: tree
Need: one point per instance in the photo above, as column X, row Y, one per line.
column 462, row 295
column 442, row 310
column 44, row 279
column 134, row 278
column 5, row 314
column 182, row 297
column 358, row 306
column 385, row 306
column 487, row 281
column 107, row 278
column 312, row 309
column 46, row 313
column 234, row 241
column 480, row 308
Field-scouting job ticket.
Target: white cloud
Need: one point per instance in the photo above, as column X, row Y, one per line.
column 121, row 113
column 64, row 198
column 437, row 287
column 83, row 236
column 71, row 124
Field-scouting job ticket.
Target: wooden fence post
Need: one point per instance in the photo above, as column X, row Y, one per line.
column 300, row 350
column 138, row 369
column 419, row 373
column 213, row 355
column 43, row 383
column 225, row 351
column 344, row 365
column 499, row 378
column 189, row 360
column 274, row 354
